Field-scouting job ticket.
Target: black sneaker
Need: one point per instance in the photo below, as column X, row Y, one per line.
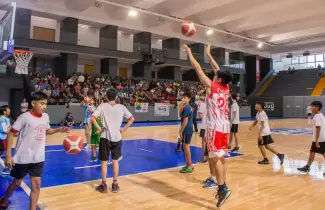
column 305, row 169
column 177, row 149
column 281, row 157
column 3, row 206
column 115, row 188
column 236, row 149
column 222, row 196
column 102, row 188
column 265, row 162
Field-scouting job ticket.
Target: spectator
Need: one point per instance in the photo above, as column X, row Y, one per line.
column 10, row 66
column 24, row 106
column 69, row 121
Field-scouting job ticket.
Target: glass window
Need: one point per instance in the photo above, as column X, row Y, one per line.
column 311, row 66
column 319, row 57
column 286, row 61
column 302, row 59
column 311, row 58
column 302, row 66
column 294, row 60
column 296, row 66
column 320, row 63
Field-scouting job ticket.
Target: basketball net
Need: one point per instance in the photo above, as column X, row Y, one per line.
column 22, row 58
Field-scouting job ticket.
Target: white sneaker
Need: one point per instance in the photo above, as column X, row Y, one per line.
column 87, row 147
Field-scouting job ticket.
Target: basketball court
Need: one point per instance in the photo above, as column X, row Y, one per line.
column 150, row 177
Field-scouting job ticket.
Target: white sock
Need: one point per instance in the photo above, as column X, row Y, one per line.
column 213, row 178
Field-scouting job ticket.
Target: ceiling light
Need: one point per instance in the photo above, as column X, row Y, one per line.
column 132, row 13
column 260, row 45
column 84, row 26
column 209, row 32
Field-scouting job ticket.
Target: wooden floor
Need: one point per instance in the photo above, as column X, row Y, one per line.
column 253, row 186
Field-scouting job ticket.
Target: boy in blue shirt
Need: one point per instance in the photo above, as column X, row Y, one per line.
column 4, row 129
column 186, row 132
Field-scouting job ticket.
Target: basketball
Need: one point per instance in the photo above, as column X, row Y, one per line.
column 188, row 29
column 73, row 144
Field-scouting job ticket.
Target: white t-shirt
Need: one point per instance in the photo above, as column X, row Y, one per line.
column 112, row 118
column 234, row 108
column 319, row 121
column 81, row 78
column 70, row 81
column 23, row 106
column 202, row 110
column 31, row 129
column 308, row 109
column 262, row 117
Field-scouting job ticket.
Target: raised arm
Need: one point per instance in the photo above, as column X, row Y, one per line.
column 213, row 63
column 203, row 78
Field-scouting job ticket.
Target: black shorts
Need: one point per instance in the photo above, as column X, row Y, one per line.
column 19, row 171
column 107, row 147
column 266, row 140
column 187, row 137
column 2, row 146
column 309, row 114
column 320, row 150
column 202, row 133
column 234, row 128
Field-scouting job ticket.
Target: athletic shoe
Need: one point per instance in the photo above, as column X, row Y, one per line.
column 186, row 169
column 263, row 162
column 208, row 180
column 222, row 196
column 304, row 169
column 102, row 188
column 235, row 149
column 6, row 171
column 177, row 149
column 281, row 157
column 3, row 206
column 87, row 147
column 93, row 159
column 211, row 184
column 115, row 188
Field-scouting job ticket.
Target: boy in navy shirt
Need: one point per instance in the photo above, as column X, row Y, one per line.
column 186, row 131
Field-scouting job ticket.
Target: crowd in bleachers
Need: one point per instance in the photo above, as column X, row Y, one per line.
column 131, row 90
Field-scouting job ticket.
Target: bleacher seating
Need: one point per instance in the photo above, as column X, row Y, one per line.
column 297, row 83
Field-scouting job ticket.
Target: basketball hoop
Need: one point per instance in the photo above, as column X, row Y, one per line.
column 22, row 58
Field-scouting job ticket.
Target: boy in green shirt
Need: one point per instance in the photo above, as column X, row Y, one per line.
column 95, row 138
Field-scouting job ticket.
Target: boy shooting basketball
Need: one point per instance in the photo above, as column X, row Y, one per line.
column 318, row 144
column 217, row 127
column 32, row 128
column 186, row 132
column 111, row 115
column 264, row 134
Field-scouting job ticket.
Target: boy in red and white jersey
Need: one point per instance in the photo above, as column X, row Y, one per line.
column 32, row 128
column 217, row 120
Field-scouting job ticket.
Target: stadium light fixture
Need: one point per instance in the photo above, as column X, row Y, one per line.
column 133, row 13
column 209, row 32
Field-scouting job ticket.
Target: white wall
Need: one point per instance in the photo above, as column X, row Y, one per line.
column 96, row 63
column 88, row 36
column 156, row 44
column 125, row 42
column 45, row 23
column 125, row 65
column 226, row 58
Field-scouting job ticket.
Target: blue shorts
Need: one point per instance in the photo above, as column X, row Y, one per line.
column 187, row 137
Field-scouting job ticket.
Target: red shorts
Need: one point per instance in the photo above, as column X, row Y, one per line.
column 216, row 141
column 3, row 145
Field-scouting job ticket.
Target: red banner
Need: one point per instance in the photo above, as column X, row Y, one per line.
column 257, row 68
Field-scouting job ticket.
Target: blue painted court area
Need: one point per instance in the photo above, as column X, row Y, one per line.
column 139, row 156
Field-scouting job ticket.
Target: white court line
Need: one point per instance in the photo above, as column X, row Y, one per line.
column 27, row 190
column 144, row 150
column 128, row 175
column 57, row 150
column 94, row 166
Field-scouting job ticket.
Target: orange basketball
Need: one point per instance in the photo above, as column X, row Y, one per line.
column 188, row 29
column 73, row 144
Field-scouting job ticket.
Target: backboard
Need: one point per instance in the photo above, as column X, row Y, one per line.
column 7, row 24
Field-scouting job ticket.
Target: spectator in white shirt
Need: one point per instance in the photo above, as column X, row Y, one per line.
column 81, row 78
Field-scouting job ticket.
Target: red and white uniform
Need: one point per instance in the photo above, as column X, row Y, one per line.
column 217, row 120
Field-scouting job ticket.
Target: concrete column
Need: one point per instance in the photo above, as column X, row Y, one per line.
column 69, row 31
column 108, row 37
column 22, row 23
column 219, row 55
column 142, row 69
column 108, row 66
column 65, row 65
column 198, row 51
column 142, row 42
column 172, row 47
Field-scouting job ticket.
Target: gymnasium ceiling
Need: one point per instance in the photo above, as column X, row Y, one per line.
column 287, row 25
